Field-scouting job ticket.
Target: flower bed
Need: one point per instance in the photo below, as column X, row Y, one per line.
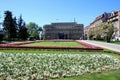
column 48, row 47
column 46, row 66
column 87, row 45
column 15, row 45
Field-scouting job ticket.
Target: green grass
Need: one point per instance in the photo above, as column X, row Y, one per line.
column 47, row 51
column 111, row 75
column 54, row 44
column 115, row 42
column 42, row 51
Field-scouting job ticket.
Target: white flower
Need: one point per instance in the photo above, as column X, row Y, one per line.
column 22, row 66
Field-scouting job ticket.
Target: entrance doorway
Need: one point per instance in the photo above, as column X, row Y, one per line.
column 65, row 36
column 61, row 35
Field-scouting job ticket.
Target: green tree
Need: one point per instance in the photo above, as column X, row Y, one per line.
column 9, row 25
column 99, row 32
column 14, row 28
column 20, row 23
column 33, row 30
column 103, row 31
column 1, row 35
column 108, row 30
column 22, row 30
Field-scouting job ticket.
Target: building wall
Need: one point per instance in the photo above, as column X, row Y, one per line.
column 119, row 22
column 113, row 17
column 63, row 31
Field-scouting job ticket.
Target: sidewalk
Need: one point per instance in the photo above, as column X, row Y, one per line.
column 110, row 46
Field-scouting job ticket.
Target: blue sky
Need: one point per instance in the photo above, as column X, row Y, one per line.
column 47, row 11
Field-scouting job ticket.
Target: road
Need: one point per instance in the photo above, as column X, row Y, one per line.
column 114, row 47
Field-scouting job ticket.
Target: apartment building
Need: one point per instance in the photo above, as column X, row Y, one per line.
column 113, row 17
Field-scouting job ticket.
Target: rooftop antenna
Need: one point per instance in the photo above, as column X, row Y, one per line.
column 74, row 20
column 57, row 20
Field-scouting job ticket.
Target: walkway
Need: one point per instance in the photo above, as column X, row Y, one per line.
column 114, row 47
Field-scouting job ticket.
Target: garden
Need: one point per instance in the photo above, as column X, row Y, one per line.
column 52, row 44
column 57, row 64
column 55, row 43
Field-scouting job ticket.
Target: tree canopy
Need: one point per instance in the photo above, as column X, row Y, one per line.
column 22, row 29
column 104, row 31
column 33, row 30
column 14, row 29
column 9, row 25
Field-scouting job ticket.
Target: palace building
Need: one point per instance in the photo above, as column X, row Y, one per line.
column 64, row 30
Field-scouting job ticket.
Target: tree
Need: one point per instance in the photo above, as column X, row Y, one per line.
column 103, row 31
column 33, row 30
column 110, row 31
column 20, row 23
column 22, row 30
column 1, row 35
column 14, row 28
column 107, row 31
column 25, row 33
column 9, row 25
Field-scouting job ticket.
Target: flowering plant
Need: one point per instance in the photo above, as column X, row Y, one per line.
column 45, row 66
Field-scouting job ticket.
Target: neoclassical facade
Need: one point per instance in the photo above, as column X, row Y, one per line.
column 64, row 30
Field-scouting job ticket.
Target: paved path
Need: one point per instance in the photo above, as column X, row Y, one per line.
column 114, row 47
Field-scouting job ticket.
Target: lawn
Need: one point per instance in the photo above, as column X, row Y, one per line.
column 58, row 64
column 111, row 75
column 25, row 64
column 55, row 44
column 115, row 42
